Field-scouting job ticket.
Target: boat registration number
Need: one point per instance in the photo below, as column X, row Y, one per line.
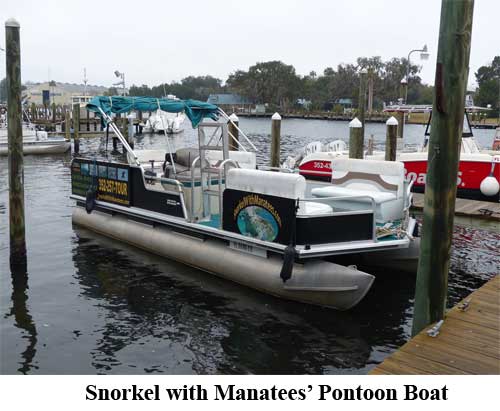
column 247, row 248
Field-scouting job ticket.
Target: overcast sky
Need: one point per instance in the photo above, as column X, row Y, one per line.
column 155, row 41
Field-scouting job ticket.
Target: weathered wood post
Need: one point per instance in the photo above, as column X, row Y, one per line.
column 129, row 125
column 67, row 126
column 355, row 139
column 391, row 139
column 371, row 145
column 124, row 130
column 76, row 127
column 15, row 136
column 362, row 103
column 233, row 131
column 452, row 69
column 54, row 120
column 275, row 139
column 401, row 123
column 33, row 112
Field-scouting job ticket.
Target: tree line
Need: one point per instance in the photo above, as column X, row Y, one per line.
column 278, row 85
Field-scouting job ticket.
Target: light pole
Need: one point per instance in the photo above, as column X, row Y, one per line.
column 120, row 83
column 424, row 55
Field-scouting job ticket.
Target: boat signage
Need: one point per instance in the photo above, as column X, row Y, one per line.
column 111, row 181
column 260, row 216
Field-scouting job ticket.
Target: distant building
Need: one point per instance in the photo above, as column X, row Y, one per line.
column 59, row 93
column 345, row 103
column 302, row 102
column 230, row 103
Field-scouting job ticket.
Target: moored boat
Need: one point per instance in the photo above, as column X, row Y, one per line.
column 478, row 170
column 271, row 230
column 34, row 141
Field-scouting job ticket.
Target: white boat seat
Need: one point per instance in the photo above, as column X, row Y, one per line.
column 310, row 208
column 334, row 191
column 382, row 181
column 286, row 185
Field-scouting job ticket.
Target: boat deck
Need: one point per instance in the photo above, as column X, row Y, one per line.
column 468, row 341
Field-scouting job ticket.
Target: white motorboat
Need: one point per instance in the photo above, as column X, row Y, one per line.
column 165, row 122
column 478, row 174
column 35, row 141
column 274, row 231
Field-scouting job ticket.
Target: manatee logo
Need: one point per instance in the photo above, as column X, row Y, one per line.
column 257, row 222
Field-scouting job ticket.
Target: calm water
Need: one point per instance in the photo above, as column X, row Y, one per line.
column 91, row 305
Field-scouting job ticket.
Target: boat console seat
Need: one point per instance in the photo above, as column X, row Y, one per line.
column 286, row 185
column 382, row 181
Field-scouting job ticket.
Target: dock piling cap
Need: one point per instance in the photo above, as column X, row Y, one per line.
column 355, row 123
column 392, row 121
column 12, row 23
column 276, row 116
column 233, row 117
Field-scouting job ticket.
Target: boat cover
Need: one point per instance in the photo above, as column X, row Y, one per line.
column 195, row 110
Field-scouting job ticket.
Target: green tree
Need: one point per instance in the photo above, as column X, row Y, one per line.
column 270, row 82
column 488, row 80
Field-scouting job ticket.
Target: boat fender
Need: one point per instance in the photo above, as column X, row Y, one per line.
column 90, row 200
column 415, row 233
column 290, row 252
column 490, row 186
column 288, row 260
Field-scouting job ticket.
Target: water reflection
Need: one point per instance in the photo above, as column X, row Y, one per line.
column 195, row 323
column 22, row 317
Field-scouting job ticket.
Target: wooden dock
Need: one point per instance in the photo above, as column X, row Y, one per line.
column 468, row 341
column 477, row 214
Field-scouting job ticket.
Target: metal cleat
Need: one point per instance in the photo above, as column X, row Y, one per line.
column 465, row 305
column 434, row 331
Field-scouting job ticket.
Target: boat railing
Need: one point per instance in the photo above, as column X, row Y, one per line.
column 248, row 141
column 220, row 168
column 372, row 210
column 165, row 181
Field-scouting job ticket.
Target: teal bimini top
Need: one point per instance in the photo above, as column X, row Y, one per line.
column 195, row 110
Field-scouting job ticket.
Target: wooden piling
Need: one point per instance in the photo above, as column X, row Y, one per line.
column 233, row 131
column 362, row 103
column 401, row 123
column 67, row 127
column 15, row 137
column 391, row 139
column 76, row 127
column 444, row 150
column 129, row 126
column 54, row 120
column 355, row 139
column 33, row 112
column 275, row 140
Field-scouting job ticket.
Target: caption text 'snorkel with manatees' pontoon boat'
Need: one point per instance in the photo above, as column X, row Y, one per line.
column 213, row 209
